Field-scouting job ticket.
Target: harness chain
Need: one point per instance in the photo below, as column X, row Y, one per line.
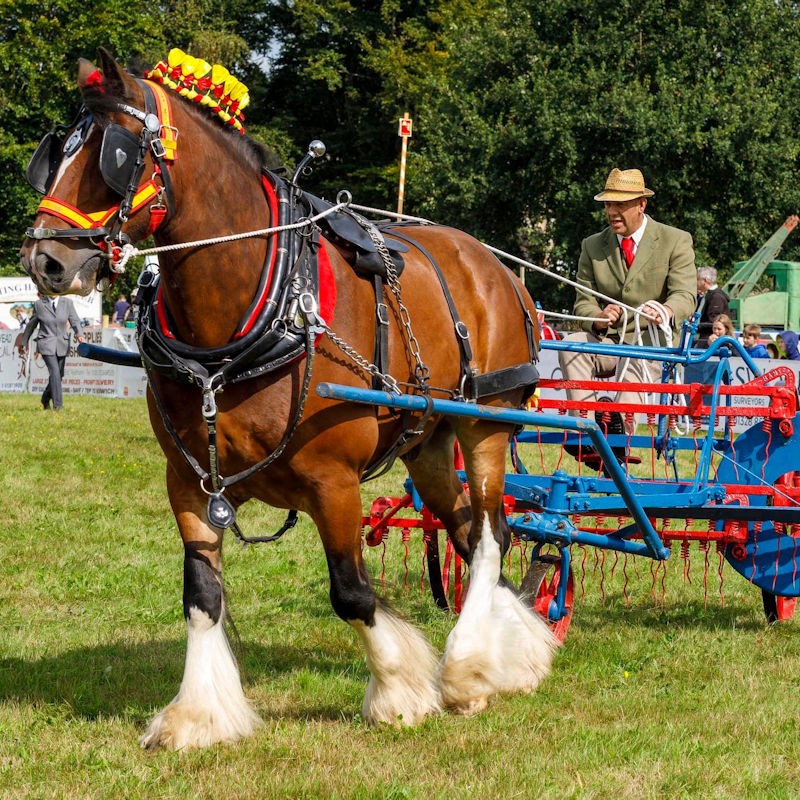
column 371, row 369
column 421, row 371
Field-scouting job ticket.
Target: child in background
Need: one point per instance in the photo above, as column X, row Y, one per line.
column 772, row 350
column 722, row 327
column 787, row 345
column 750, row 336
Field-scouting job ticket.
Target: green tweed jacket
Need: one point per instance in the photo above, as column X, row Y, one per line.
column 663, row 270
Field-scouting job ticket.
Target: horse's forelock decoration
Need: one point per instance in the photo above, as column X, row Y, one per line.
column 236, row 411
column 200, row 82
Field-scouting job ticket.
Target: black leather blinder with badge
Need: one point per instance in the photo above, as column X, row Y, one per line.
column 54, row 147
column 118, row 155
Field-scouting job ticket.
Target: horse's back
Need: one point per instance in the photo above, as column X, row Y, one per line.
column 486, row 295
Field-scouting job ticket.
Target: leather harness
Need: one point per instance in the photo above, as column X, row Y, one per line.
column 283, row 322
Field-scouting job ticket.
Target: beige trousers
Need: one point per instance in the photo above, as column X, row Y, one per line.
column 591, row 366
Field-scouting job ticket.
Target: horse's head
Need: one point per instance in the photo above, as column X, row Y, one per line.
column 91, row 173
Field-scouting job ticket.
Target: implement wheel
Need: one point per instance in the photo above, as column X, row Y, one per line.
column 540, row 587
column 777, row 608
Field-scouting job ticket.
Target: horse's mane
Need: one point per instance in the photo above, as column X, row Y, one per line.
column 101, row 100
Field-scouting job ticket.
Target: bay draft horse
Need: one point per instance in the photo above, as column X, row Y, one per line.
column 215, row 188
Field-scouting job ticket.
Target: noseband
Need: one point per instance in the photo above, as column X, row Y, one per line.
column 122, row 164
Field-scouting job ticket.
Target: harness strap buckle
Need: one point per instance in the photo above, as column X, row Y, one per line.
column 382, row 313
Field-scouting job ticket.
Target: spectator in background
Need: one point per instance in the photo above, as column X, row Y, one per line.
column 120, row 307
column 722, row 326
column 711, row 302
column 51, row 314
column 20, row 313
column 132, row 311
column 787, row 345
column 750, row 337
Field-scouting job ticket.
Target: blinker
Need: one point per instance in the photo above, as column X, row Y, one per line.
column 118, row 154
column 46, row 159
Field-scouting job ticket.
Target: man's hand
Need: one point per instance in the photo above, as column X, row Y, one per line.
column 655, row 313
column 610, row 314
column 81, row 339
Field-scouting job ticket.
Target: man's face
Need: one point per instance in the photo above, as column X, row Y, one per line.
column 625, row 217
column 702, row 285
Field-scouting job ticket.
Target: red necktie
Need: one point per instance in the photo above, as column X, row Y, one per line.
column 627, row 249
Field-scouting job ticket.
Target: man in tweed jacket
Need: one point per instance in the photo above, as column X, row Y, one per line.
column 659, row 266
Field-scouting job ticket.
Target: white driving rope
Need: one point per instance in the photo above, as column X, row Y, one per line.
column 580, row 287
column 129, row 251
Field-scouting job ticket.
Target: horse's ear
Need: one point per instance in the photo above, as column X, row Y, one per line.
column 114, row 77
column 88, row 74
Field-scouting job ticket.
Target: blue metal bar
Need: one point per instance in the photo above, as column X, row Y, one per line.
column 615, row 440
column 674, row 355
column 513, row 417
column 583, row 537
column 108, row 355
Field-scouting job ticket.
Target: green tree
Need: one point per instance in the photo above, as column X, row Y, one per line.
column 40, row 44
column 536, row 101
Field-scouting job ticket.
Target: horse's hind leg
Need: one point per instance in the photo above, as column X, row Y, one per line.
column 210, row 705
column 402, row 687
column 498, row 643
column 432, row 470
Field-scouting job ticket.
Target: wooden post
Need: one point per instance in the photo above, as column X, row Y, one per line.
column 404, row 131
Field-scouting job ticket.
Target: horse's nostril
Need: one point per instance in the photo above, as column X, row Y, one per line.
column 49, row 266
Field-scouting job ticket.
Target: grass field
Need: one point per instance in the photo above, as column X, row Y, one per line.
column 682, row 700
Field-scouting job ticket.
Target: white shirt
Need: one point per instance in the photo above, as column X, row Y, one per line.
column 636, row 235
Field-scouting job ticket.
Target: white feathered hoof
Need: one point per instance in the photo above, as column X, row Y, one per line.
column 402, row 688
column 184, row 726
column 498, row 644
column 210, row 706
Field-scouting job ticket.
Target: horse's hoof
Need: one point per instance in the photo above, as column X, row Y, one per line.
column 402, row 688
column 472, row 707
column 180, row 727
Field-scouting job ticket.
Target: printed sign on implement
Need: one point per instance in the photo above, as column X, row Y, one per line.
column 404, row 128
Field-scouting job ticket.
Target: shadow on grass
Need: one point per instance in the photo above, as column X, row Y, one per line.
column 687, row 614
column 134, row 680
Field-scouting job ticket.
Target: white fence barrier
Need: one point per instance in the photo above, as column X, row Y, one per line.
column 81, row 375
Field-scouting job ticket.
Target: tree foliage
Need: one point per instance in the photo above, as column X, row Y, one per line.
column 520, row 107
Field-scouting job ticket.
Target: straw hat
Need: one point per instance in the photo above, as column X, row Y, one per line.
column 624, row 184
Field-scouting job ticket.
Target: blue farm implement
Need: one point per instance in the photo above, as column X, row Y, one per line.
column 681, row 475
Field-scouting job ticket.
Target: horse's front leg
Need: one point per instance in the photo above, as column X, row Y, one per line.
column 402, row 687
column 498, row 644
column 210, row 705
